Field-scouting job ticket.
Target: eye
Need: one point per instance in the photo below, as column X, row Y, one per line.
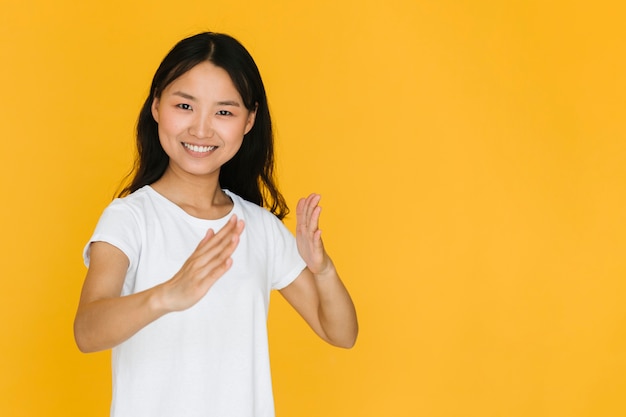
column 184, row 106
column 224, row 113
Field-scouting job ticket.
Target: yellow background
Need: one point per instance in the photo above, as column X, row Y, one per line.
column 472, row 161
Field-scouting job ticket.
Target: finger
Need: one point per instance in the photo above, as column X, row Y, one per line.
column 313, row 212
column 229, row 236
column 224, row 245
column 219, row 259
column 305, row 208
column 220, row 269
column 240, row 226
column 314, row 203
column 230, row 225
column 209, row 235
column 314, row 220
column 213, row 261
column 300, row 211
column 214, row 252
column 213, row 238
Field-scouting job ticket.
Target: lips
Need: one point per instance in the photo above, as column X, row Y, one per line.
column 201, row 149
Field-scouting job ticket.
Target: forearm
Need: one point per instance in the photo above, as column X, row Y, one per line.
column 105, row 323
column 336, row 310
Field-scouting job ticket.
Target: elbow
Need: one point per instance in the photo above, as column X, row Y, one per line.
column 346, row 341
column 82, row 348
column 82, row 340
column 349, row 343
column 346, row 345
column 342, row 334
column 82, row 345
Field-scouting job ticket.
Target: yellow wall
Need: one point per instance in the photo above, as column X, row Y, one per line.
column 472, row 159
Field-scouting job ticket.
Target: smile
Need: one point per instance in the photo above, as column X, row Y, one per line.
column 197, row 148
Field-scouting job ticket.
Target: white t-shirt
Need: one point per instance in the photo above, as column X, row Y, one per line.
column 211, row 360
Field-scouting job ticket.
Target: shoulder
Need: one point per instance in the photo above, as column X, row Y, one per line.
column 136, row 203
column 128, row 213
column 251, row 210
column 122, row 224
column 259, row 221
column 137, row 199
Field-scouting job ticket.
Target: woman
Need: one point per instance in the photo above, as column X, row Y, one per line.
column 180, row 267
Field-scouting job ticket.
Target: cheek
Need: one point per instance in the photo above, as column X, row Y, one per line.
column 229, row 131
column 169, row 127
column 167, row 138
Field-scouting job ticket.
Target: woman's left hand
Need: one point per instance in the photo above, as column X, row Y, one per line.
column 318, row 293
column 309, row 236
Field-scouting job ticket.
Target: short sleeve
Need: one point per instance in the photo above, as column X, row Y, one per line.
column 119, row 227
column 286, row 262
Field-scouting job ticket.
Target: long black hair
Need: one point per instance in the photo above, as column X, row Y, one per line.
column 250, row 173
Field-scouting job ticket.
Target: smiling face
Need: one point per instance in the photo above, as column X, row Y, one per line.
column 201, row 121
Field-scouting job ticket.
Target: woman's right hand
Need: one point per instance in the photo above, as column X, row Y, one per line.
column 105, row 319
column 209, row 261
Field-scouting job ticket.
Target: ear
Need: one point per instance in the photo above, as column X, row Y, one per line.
column 251, row 119
column 155, row 109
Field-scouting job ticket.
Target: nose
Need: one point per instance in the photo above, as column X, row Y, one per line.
column 201, row 127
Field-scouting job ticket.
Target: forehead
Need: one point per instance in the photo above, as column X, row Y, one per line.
column 204, row 80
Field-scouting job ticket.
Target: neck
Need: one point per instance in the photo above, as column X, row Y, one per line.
column 199, row 196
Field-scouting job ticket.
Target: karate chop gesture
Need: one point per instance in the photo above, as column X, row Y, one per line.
column 318, row 293
column 209, row 261
column 309, row 236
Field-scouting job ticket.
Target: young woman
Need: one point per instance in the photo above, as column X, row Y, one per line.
column 181, row 266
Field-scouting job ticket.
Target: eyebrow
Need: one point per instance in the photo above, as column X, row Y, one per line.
column 219, row 103
column 229, row 103
column 184, row 95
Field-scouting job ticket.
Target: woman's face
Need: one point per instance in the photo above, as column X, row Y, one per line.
column 202, row 120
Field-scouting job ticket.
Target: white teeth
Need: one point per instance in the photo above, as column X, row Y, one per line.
column 197, row 148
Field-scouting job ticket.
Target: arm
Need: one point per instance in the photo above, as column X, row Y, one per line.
column 105, row 319
column 318, row 294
